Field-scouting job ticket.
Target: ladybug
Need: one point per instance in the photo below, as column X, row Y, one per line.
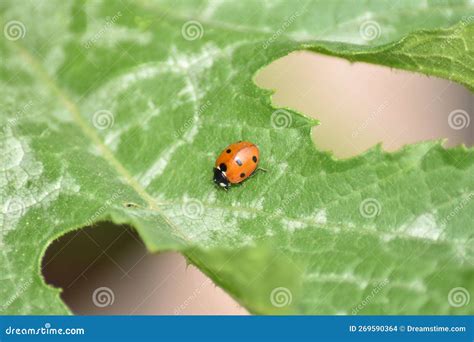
column 236, row 163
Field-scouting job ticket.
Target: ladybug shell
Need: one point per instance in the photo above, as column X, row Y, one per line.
column 238, row 161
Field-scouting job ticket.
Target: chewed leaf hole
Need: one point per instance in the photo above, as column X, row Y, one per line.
column 360, row 105
column 106, row 269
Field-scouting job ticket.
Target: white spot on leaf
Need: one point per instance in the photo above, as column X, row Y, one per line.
column 424, row 226
column 292, row 225
column 320, row 217
column 21, row 186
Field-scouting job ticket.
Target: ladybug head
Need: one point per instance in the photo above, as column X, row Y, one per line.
column 220, row 178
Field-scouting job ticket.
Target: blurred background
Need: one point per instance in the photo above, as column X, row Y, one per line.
column 106, row 269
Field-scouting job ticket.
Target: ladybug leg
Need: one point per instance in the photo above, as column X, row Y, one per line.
column 257, row 169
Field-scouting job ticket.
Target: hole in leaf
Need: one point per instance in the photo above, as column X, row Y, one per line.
column 360, row 105
column 106, row 269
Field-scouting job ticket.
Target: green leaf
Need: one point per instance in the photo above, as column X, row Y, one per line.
column 117, row 111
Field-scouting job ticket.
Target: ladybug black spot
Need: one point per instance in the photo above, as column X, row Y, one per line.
column 254, row 158
column 223, row 167
column 238, row 161
column 242, row 175
column 228, row 151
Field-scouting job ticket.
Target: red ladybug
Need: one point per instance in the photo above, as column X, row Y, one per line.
column 236, row 163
